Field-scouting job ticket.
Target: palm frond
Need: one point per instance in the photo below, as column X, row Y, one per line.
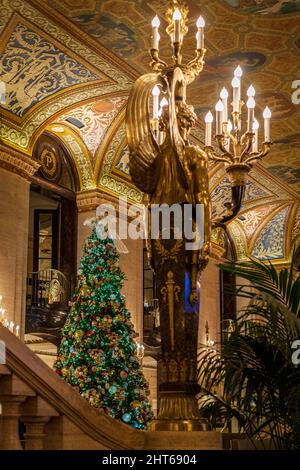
column 283, row 286
column 252, row 377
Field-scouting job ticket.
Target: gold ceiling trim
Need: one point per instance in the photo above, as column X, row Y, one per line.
column 239, row 240
column 109, row 138
column 112, row 184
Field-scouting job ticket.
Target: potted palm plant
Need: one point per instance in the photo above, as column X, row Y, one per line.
column 254, row 376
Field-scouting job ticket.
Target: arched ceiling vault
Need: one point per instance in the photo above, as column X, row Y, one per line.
column 69, row 66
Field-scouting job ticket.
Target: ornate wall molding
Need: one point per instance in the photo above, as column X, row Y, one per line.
column 90, row 200
column 17, row 162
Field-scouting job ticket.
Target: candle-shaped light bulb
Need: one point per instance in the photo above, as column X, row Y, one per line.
column 267, row 113
column 251, row 91
column 176, row 19
column 229, row 126
column 255, row 125
column 200, row 22
column 267, row 117
column 224, row 97
column 255, row 128
column 17, row 331
column 219, row 117
column 200, row 33
column 155, row 22
column 236, row 96
column 208, row 128
column 155, row 94
column 219, row 106
column 250, row 106
column 176, row 15
column 238, row 72
column 155, row 33
column 164, row 102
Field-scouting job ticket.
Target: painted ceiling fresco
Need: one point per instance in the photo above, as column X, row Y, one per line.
column 266, row 7
column 34, row 69
column 69, row 65
column 263, row 37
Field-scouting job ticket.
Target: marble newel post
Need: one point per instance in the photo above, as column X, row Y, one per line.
column 131, row 263
column 15, row 172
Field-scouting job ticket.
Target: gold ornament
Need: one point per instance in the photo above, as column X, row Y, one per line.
column 78, row 335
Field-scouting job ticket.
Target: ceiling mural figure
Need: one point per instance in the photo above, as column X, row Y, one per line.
column 34, row 69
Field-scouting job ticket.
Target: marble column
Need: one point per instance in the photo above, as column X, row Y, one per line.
column 15, row 172
column 131, row 263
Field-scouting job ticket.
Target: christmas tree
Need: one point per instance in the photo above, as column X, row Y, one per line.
column 97, row 354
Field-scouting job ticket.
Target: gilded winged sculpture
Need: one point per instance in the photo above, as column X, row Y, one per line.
column 172, row 171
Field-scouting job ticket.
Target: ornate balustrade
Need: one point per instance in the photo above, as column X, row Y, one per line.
column 39, row 411
column 52, row 414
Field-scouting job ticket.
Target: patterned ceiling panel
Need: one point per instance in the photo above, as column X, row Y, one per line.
column 92, row 120
column 271, row 241
column 34, row 69
column 252, row 219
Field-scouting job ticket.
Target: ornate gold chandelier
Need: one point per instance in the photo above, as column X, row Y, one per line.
column 170, row 170
column 239, row 149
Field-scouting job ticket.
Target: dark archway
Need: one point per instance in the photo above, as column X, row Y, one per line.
column 52, row 244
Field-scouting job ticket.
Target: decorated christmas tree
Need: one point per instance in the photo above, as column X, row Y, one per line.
column 97, row 354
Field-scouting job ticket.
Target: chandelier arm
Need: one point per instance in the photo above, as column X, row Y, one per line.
column 195, row 66
column 157, row 64
column 237, row 196
column 220, row 159
column 226, row 155
column 259, row 155
column 247, row 148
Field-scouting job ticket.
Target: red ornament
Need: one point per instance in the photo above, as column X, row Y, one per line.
column 90, row 333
